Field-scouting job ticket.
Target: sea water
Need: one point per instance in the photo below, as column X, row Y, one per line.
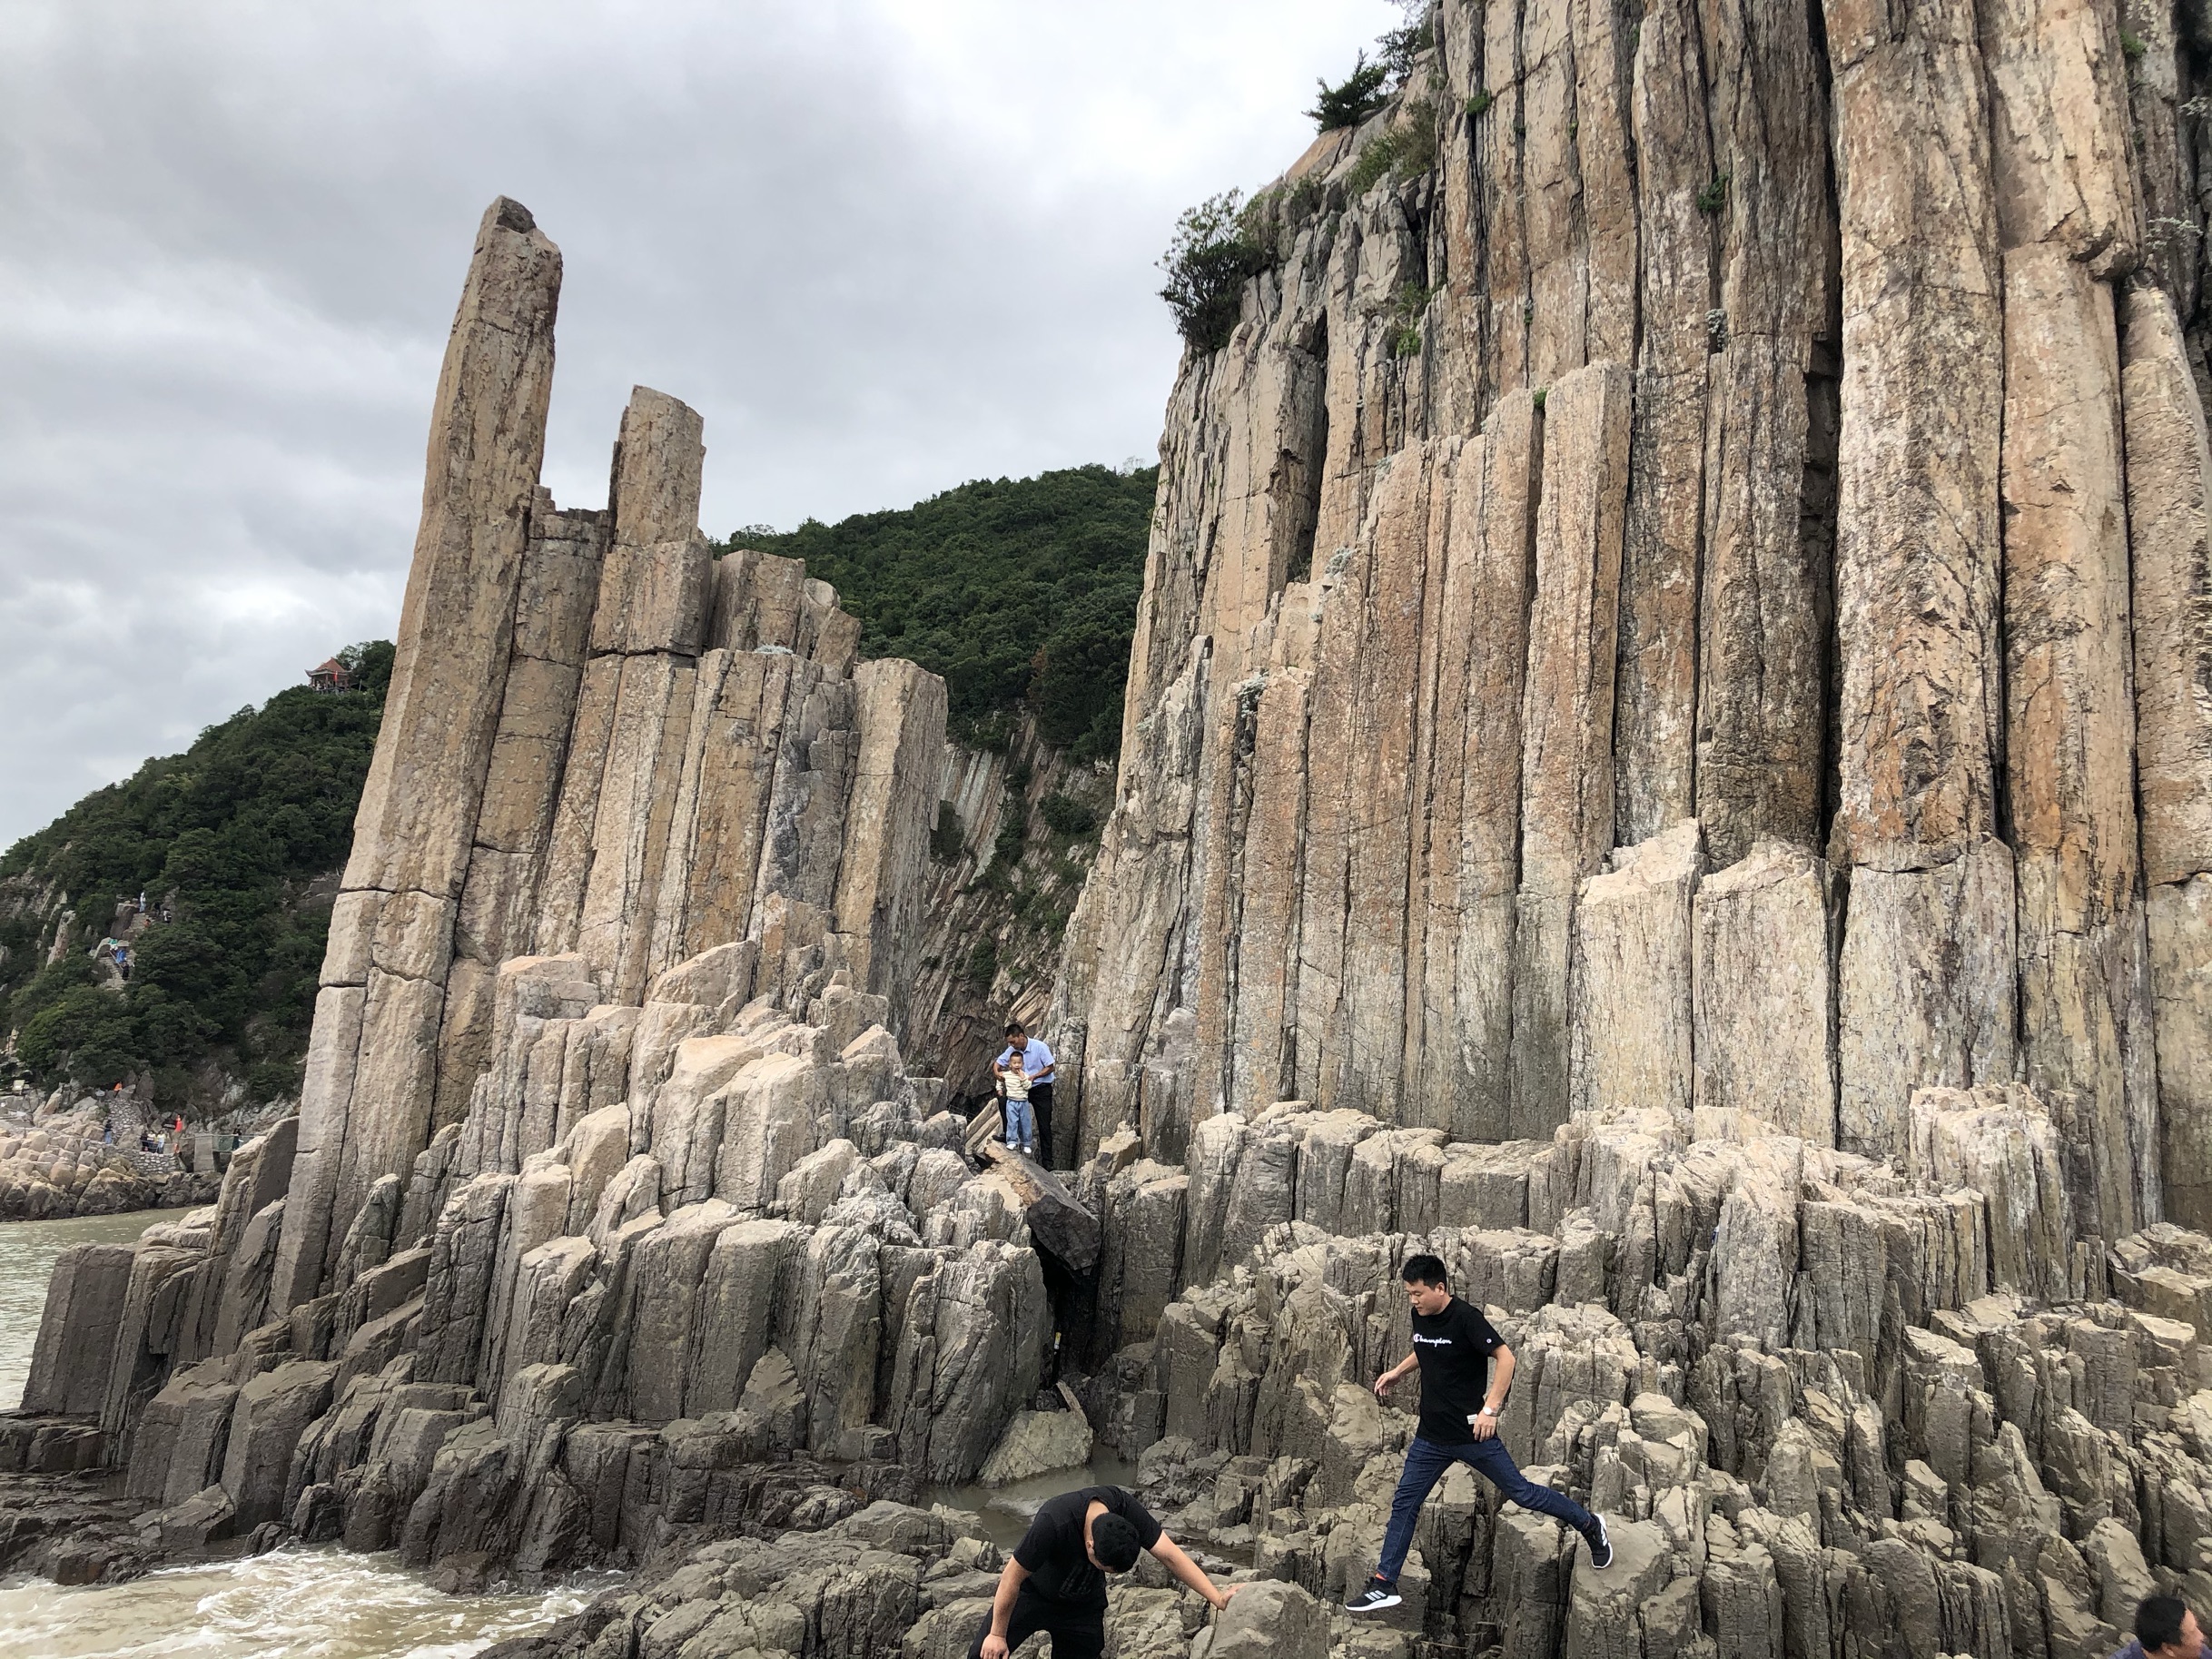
column 294, row 1603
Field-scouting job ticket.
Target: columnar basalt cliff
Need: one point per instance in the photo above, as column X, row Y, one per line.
column 1739, row 503
column 1667, row 762
column 599, row 741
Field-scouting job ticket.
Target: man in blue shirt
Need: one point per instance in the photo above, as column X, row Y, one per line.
column 1035, row 1060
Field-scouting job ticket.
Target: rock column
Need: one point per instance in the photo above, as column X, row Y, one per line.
column 1577, row 187
column 1765, row 584
column 1354, row 938
column 633, row 718
column 553, row 607
column 894, row 804
column 367, row 1098
column 1657, row 696
column 1567, row 718
column 1265, row 950
column 2170, row 494
column 1475, row 846
column 2065, row 216
column 765, row 769
column 1926, row 988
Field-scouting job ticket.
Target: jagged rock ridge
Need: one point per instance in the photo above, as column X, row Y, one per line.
column 599, row 739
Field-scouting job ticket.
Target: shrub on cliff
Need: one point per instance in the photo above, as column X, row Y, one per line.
column 1352, row 100
column 1065, row 815
column 1398, row 47
column 1210, row 256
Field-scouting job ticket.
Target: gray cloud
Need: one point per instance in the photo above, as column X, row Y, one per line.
column 882, row 246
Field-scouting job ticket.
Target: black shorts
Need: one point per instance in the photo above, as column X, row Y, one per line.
column 1078, row 1629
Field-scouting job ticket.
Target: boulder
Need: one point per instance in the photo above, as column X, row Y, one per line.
column 271, row 1413
column 1267, row 1621
column 1057, row 1221
column 1036, row 1443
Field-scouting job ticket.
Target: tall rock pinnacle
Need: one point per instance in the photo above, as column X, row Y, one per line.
column 366, row 1103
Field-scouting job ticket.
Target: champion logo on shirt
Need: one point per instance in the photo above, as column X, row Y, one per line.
column 1433, row 1341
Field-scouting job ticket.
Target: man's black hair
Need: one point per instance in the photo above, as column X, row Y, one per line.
column 1114, row 1541
column 1013, row 1026
column 2158, row 1622
column 1422, row 1270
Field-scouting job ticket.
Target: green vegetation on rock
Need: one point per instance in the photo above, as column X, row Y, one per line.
column 1021, row 591
column 1352, row 100
column 1225, row 241
column 229, row 837
column 1370, row 85
column 1403, row 151
column 1215, row 247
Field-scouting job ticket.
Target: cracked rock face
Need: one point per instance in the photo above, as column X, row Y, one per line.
column 1815, row 470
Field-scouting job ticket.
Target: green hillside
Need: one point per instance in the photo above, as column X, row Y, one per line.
column 1015, row 591
column 229, row 835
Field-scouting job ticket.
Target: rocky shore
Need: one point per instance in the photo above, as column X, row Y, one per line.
column 58, row 1165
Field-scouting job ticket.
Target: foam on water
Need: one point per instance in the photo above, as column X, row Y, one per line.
column 295, row 1604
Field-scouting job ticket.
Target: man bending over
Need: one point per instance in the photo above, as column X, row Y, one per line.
column 1452, row 1345
column 1056, row 1580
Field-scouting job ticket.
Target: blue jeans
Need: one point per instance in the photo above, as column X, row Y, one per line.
column 1021, row 1124
column 1427, row 1462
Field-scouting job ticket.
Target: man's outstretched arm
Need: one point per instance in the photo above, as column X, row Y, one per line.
column 1002, row 1608
column 1383, row 1383
column 1169, row 1554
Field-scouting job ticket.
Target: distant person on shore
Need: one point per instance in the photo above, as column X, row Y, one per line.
column 1055, row 1581
column 1035, row 1063
column 2165, row 1629
column 1454, row 1344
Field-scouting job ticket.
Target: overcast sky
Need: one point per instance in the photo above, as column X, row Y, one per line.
column 883, row 245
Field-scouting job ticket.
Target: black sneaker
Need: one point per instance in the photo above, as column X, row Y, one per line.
column 1600, row 1545
column 1379, row 1594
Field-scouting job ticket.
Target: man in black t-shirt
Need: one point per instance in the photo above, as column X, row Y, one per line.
column 1453, row 1344
column 1056, row 1580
